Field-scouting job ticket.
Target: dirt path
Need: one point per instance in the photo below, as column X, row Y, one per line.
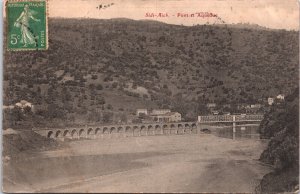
column 156, row 164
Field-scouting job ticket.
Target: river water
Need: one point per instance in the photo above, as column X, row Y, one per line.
column 145, row 164
column 240, row 132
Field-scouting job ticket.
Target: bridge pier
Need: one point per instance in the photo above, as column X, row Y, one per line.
column 233, row 124
column 234, row 127
column 61, row 138
column 75, row 136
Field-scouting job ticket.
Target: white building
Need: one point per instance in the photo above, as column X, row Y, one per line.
column 211, row 105
column 140, row 112
column 270, row 101
column 174, row 116
column 23, row 104
column 167, row 117
column 280, row 97
column 255, row 105
column 160, row 111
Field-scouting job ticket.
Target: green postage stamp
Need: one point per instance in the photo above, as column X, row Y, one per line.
column 27, row 27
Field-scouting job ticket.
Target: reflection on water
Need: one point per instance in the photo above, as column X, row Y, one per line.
column 250, row 132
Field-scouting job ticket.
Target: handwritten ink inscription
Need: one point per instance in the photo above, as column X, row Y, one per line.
column 192, row 15
column 104, row 6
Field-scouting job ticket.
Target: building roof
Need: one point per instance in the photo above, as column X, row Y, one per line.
column 141, row 109
column 172, row 113
column 167, row 114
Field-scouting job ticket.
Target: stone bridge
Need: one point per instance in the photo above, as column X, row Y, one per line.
column 122, row 130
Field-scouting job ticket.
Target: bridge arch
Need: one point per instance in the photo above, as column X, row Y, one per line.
column 151, row 130
column 120, row 130
column 98, row 131
column 187, row 128
column 194, row 128
column 90, row 131
column 143, row 130
column 58, row 134
column 50, row 134
column 173, row 129
column 158, row 130
column 74, row 133
column 166, row 129
column 128, row 131
column 127, row 128
column 136, row 131
column 113, row 130
column 82, row 133
column 180, row 129
column 66, row 133
column 105, row 130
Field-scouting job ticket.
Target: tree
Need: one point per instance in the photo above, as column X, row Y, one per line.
column 66, row 95
column 54, row 111
column 123, row 118
column 27, row 110
column 107, row 117
column 109, row 107
column 114, row 85
column 94, row 77
column 99, row 87
column 142, row 116
column 100, row 100
column 13, row 116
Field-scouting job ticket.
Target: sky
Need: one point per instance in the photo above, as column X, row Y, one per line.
column 276, row 14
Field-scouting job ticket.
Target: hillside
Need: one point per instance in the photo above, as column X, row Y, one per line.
column 101, row 70
column 281, row 125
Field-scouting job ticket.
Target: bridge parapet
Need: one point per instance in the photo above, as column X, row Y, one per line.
column 228, row 118
column 216, row 118
column 248, row 117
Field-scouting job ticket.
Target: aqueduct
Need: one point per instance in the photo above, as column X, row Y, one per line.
column 123, row 130
column 144, row 129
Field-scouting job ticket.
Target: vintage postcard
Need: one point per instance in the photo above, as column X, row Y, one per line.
column 150, row 96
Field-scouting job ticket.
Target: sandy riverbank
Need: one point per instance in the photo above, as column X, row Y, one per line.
column 187, row 163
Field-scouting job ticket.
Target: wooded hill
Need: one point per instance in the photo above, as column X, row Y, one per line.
column 101, row 70
column 281, row 126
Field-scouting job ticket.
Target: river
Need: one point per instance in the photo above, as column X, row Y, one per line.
column 240, row 132
column 178, row 163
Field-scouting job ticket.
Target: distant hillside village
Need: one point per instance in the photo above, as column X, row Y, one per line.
column 258, row 108
column 144, row 115
column 166, row 115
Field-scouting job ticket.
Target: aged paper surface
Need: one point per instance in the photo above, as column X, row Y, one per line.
column 151, row 96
